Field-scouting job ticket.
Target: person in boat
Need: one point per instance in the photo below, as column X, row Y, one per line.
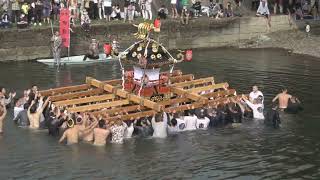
column 272, row 117
column 257, row 106
column 93, row 52
column 159, row 125
column 283, row 99
column 3, row 113
column 101, row 133
column 255, row 93
column 56, row 49
column 294, row 106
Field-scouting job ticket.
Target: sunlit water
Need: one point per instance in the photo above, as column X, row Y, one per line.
column 251, row 151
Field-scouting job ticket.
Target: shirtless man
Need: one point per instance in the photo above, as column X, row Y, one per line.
column 34, row 113
column 3, row 113
column 83, row 123
column 73, row 132
column 283, row 99
column 101, row 134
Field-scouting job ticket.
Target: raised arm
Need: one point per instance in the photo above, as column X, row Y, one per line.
column 275, row 98
column 63, row 137
column 44, row 105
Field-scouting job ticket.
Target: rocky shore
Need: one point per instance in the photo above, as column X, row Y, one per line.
column 295, row 41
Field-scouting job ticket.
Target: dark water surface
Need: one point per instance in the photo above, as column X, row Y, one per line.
column 251, row 151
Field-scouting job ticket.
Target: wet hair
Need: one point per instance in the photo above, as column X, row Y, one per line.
column 174, row 122
column 158, row 117
column 102, row 123
column 128, row 123
column 26, row 106
column 33, row 109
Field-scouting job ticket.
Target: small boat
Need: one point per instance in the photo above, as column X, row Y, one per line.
column 78, row 60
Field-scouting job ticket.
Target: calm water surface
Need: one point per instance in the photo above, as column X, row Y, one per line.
column 251, row 151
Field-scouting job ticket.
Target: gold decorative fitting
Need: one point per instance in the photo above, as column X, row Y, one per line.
column 139, row 56
column 159, row 56
column 154, row 49
column 153, row 57
column 134, row 54
column 139, row 48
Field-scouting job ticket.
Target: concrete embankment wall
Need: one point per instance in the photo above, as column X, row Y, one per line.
column 201, row 33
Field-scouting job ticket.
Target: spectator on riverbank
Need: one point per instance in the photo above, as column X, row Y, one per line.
column 174, row 11
column 38, row 12
column 107, row 4
column 5, row 20
column 185, row 14
column 163, row 12
column 15, row 6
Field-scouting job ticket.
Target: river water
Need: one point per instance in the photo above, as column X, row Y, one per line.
column 251, row 151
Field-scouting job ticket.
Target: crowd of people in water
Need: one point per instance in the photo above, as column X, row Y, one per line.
column 37, row 112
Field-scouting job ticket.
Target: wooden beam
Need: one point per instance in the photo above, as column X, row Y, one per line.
column 52, row 92
column 220, row 93
column 189, row 95
column 133, row 116
column 177, row 79
column 98, row 106
column 207, row 88
column 119, row 110
column 124, row 94
column 195, row 82
column 85, row 100
column 76, row 95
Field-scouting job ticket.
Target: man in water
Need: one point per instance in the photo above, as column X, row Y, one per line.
column 294, row 106
column 56, row 49
column 159, row 125
column 34, row 113
column 73, row 132
column 273, row 118
column 3, row 113
column 93, row 50
column 22, row 118
column 256, row 106
column 283, row 99
column 117, row 131
column 255, row 93
column 101, row 134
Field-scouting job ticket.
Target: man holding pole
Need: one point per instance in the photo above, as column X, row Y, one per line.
column 56, row 49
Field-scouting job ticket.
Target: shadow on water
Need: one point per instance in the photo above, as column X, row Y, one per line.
column 251, row 151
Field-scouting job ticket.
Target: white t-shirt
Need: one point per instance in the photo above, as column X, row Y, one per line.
column 107, row 3
column 255, row 95
column 191, row 122
column 181, row 124
column 160, row 128
column 16, row 111
column 257, row 110
column 173, row 129
column 129, row 130
column 173, row 1
column 203, row 123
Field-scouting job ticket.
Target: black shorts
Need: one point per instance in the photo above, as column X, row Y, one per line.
column 107, row 10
